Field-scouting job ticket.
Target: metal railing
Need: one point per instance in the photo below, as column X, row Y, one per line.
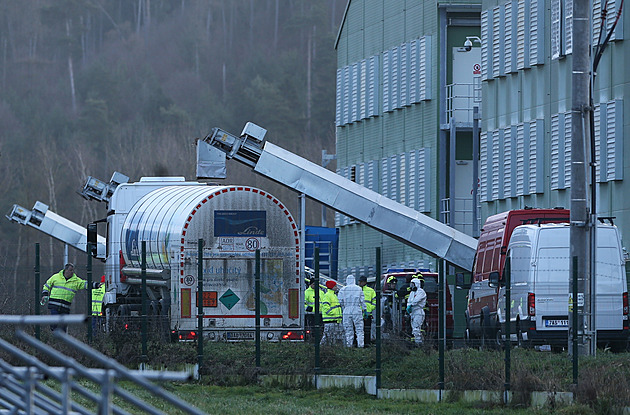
column 460, row 216
column 23, row 391
column 461, row 99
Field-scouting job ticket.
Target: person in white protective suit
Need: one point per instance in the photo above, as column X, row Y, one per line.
column 415, row 308
column 353, row 305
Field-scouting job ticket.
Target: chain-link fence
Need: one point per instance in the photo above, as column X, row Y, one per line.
column 456, row 352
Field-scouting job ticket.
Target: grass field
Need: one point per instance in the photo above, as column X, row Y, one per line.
column 254, row 400
column 229, row 382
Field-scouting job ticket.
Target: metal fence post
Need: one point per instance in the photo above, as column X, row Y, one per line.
column 317, row 310
column 143, row 268
column 378, row 320
column 441, row 322
column 257, row 305
column 37, row 290
column 89, row 290
column 508, row 328
column 574, row 328
column 199, row 305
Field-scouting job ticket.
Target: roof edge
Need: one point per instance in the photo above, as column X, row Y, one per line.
column 343, row 21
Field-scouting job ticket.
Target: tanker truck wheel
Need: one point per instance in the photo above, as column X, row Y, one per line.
column 468, row 341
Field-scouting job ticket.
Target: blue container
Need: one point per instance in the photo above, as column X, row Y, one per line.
column 327, row 240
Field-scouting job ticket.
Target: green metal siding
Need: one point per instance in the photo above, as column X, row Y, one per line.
column 394, row 30
column 545, row 90
column 388, row 24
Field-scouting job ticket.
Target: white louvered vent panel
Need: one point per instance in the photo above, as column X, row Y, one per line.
column 507, row 162
column 413, row 71
column 346, row 173
column 423, row 180
column 567, row 149
column 507, row 34
column 611, row 135
column 372, row 86
column 412, row 179
column 369, row 182
column 338, row 98
column 403, row 75
column 533, row 161
column 555, row 151
column 612, row 15
column 483, row 168
column 346, row 95
column 556, row 28
column 520, row 34
column 394, row 86
column 363, row 89
column 386, row 81
column 426, row 95
column 495, row 165
column 385, row 177
column 597, row 21
column 361, row 174
column 497, row 42
column 394, row 186
column 403, row 179
column 533, row 32
column 423, row 68
column 354, row 88
column 484, row 45
column 520, row 159
column 597, row 129
column 568, row 26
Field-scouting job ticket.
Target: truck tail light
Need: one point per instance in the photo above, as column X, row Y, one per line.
column 531, row 304
column 292, row 335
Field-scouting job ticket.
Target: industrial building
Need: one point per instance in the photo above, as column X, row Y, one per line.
column 416, row 79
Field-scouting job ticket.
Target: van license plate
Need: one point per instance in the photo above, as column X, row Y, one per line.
column 240, row 335
column 556, row 323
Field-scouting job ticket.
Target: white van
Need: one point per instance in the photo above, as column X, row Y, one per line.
column 539, row 258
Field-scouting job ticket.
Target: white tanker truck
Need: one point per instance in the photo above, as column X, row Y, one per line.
column 172, row 215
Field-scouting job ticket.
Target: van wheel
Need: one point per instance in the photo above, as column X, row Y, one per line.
column 467, row 338
column 520, row 342
column 467, row 333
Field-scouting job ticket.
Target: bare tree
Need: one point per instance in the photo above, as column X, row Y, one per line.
column 71, row 72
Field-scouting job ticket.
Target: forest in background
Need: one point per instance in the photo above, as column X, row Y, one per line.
column 89, row 87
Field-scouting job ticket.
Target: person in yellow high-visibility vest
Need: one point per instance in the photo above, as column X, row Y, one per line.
column 97, row 305
column 370, row 305
column 331, row 314
column 61, row 289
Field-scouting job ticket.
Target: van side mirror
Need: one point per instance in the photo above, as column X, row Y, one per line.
column 493, row 279
column 462, row 281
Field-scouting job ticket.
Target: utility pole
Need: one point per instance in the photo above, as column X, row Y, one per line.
column 580, row 216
